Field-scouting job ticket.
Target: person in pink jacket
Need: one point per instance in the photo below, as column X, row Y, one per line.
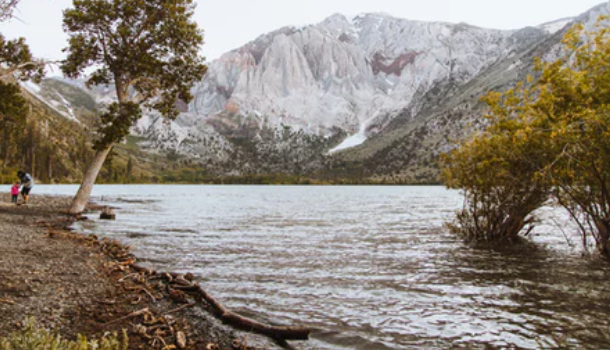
column 15, row 192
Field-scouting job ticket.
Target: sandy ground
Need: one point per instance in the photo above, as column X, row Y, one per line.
column 74, row 285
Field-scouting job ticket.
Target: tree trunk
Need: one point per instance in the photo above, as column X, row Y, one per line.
column 603, row 232
column 82, row 196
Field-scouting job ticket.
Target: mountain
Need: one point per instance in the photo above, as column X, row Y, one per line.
column 301, row 91
column 346, row 73
column 55, row 142
column 555, row 26
column 368, row 98
column 410, row 149
column 52, row 143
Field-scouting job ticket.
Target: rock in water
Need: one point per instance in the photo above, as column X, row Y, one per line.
column 107, row 214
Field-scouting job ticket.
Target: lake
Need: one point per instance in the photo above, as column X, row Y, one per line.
column 370, row 267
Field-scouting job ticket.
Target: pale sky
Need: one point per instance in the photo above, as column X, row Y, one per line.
column 229, row 24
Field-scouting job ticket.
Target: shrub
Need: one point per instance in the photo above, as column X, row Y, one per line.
column 32, row 337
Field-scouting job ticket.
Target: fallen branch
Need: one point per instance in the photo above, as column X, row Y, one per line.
column 185, row 306
column 227, row 316
column 143, row 270
column 131, row 315
column 128, row 276
column 233, row 319
column 149, row 294
column 142, row 290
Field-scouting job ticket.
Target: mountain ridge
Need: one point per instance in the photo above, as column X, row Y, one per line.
column 397, row 92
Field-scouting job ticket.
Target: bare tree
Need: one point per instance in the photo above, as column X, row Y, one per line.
column 7, row 7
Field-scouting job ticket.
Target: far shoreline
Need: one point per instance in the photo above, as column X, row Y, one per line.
column 248, row 184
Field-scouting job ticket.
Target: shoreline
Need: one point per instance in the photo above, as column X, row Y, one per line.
column 76, row 284
column 250, row 184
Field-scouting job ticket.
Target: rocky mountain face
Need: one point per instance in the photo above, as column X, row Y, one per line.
column 369, row 97
column 322, row 84
column 344, row 73
column 409, row 149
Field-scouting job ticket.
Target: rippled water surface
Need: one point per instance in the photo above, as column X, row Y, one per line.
column 370, row 267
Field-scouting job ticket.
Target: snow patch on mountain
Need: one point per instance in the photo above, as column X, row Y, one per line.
column 31, row 87
column 351, row 141
column 68, row 107
column 58, row 103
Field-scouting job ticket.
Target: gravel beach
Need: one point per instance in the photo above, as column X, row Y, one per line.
column 73, row 284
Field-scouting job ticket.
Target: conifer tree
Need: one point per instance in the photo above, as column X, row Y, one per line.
column 13, row 113
column 16, row 62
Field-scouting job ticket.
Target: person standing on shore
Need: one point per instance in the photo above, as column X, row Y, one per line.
column 27, row 182
column 15, row 192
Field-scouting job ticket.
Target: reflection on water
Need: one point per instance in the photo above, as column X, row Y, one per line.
column 370, row 267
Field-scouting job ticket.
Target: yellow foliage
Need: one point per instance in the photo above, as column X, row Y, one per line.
column 548, row 136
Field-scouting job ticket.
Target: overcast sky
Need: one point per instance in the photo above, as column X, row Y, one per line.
column 229, row 24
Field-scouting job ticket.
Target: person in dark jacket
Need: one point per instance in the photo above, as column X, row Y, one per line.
column 27, row 182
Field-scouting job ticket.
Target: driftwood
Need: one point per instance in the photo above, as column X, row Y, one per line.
column 131, row 315
column 143, row 270
column 165, row 331
column 185, row 306
column 182, row 283
column 181, row 340
column 233, row 319
column 7, row 301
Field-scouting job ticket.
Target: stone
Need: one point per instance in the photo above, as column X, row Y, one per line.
column 107, row 214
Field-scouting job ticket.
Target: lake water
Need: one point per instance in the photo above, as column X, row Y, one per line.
column 370, row 267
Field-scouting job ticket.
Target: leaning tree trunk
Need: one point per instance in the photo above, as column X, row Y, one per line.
column 82, row 196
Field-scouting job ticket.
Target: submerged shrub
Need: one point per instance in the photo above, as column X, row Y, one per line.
column 496, row 174
column 547, row 138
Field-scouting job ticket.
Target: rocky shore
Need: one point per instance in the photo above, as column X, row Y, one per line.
column 75, row 284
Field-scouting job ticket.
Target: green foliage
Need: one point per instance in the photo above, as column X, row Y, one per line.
column 13, row 112
column 549, row 137
column 147, row 48
column 115, row 123
column 31, row 337
column 17, row 60
column 47, row 145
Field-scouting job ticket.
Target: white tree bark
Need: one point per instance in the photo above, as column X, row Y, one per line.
column 82, row 196
column 84, row 192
